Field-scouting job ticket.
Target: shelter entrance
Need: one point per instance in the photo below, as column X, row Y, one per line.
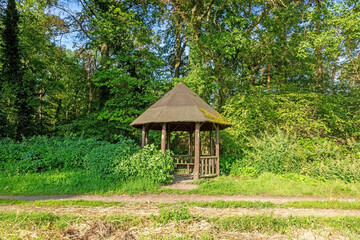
column 182, row 110
column 194, row 162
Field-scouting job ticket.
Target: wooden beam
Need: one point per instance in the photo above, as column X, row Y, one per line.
column 163, row 137
column 217, row 149
column 143, row 134
column 197, row 151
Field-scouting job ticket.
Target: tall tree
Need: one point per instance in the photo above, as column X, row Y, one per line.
column 13, row 74
column 3, row 119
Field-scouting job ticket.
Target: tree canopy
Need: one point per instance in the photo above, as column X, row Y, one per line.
column 264, row 64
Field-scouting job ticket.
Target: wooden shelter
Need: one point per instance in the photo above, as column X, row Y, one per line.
column 182, row 110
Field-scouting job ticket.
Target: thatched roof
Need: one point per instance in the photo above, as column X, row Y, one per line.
column 180, row 107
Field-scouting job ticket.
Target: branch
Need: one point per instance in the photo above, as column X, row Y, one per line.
column 209, row 5
column 258, row 20
column 76, row 20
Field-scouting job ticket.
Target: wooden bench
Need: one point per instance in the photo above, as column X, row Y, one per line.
column 184, row 160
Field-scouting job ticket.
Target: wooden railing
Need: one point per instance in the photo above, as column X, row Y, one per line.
column 184, row 160
column 207, row 164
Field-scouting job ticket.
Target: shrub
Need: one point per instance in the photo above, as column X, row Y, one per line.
column 238, row 170
column 148, row 163
column 276, row 153
column 301, row 112
column 347, row 169
column 282, row 153
column 103, row 159
column 40, row 154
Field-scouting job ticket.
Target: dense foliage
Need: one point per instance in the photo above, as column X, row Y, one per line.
column 120, row 161
column 126, row 54
column 149, row 164
column 282, row 153
column 300, row 132
column 285, row 73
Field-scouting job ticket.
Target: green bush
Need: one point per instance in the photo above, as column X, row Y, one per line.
column 301, row 112
column 122, row 160
column 40, row 154
column 276, row 153
column 148, row 163
column 282, row 153
column 103, row 159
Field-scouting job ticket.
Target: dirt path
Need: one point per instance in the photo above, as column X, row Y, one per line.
column 173, row 198
column 147, row 210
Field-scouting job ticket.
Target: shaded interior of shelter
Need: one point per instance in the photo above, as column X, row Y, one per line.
column 208, row 165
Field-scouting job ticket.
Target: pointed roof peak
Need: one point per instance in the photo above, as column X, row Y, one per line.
column 180, row 105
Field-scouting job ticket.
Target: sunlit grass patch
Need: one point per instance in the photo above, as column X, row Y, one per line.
column 179, row 224
column 232, row 204
column 331, row 204
column 276, row 185
column 271, row 224
column 77, row 182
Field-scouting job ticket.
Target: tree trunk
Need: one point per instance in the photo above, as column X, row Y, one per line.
column 217, row 149
column 104, row 90
column 178, row 53
column 268, row 77
column 319, row 67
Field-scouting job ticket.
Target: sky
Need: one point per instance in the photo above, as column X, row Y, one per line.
column 66, row 40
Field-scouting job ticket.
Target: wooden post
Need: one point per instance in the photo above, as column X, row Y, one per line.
column 211, row 144
column 197, row 151
column 146, row 137
column 168, row 135
column 190, row 146
column 217, row 149
column 163, row 137
column 143, row 134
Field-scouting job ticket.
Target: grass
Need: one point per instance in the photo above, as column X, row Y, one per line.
column 81, row 182
column 60, row 203
column 334, row 204
column 272, row 224
column 47, row 225
column 331, row 204
column 78, row 182
column 231, row 204
column 33, row 219
column 277, row 185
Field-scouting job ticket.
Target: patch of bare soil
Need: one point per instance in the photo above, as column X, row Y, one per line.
column 282, row 212
column 97, row 229
column 173, row 198
column 149, row 209
column 142, row 210
column 320, row 234
column 182, row 182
